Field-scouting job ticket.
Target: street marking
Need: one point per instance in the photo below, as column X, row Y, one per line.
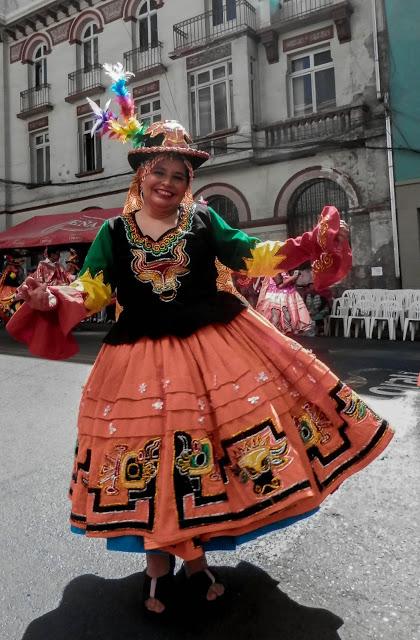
column 397, row 384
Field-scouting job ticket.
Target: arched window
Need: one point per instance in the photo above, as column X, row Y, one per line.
column 308, row 201
column 90, row 56
column 39, row 77
column 148, row 26
column 225, row 208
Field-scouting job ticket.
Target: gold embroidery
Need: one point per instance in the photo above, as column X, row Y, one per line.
column 129, row 469
column 322, row 232
column 168, row 241
column 313, row 425
column 163, row 273
column 224, row 281
column 196, row 459
column 323, row 263
column 258, row 458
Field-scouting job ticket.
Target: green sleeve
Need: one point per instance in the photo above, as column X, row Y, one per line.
column 100, row 257
column 232, row 245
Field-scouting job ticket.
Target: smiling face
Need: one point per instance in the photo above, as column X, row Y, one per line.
column 164, row 187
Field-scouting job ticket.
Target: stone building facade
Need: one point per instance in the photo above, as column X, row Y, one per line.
column 281, row 93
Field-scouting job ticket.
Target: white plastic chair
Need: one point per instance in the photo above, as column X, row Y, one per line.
column 339, row 312
column 360, row 316
column 409, row 298
column 387, row 315
column 412, row 321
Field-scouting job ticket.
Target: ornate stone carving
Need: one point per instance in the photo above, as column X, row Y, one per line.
column 308, row 38
column 61, row 32
column 41, row 123
column 16, row 51
column 113, row 10
column 146, row 89
column 209, row 55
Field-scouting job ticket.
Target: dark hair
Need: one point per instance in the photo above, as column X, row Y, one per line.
column 53, row 248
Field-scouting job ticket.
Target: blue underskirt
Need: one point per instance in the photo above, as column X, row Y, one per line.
column 135, row 544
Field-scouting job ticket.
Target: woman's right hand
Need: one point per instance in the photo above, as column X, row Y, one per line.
column 37, row 295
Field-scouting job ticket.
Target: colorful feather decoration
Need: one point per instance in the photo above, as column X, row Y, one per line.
column 103, row 117
column 130, row 129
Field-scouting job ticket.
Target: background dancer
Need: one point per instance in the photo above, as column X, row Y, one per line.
column 280, row 303
column 50, row 271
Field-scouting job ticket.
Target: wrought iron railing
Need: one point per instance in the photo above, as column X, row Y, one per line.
column 35, row 98
column 291, row 9
column 142, row 59
column 84, row 79
column 214, row 24
column 315, row 127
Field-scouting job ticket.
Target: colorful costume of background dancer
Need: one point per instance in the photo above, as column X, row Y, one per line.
column 200, row 425
column 50, row 271
column 282, row 305
column 10, row 279
column 73, row 265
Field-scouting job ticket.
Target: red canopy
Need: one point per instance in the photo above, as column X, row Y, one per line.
column 59, row 228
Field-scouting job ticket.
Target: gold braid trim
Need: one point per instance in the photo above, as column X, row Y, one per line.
column 266, row 259
column 224, row 281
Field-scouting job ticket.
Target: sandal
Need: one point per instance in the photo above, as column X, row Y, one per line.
column 200, row 582
column 161, row 589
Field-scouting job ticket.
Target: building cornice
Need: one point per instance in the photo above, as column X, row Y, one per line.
column 46, row 14
column 23, row 23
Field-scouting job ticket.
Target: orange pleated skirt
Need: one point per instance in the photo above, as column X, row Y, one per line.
column 183, row 441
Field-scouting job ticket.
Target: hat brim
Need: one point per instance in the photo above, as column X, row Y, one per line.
column 137, row 157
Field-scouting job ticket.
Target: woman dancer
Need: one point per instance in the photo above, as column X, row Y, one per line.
column 200, row 424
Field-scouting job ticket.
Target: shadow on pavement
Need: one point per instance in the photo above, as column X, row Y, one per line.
column 253, row 608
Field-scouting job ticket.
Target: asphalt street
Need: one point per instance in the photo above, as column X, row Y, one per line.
column 351, row 572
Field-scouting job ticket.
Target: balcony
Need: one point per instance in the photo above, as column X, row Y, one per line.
column 213, row 26
column 85, row 82
column 300, row 136
column 144, row 62
column 299, row 9
column 34, row 100
column 294, row 14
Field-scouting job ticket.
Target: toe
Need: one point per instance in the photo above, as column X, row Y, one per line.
column 216, row 590
column 154, row 605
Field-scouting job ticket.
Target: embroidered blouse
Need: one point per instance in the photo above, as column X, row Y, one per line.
column 168, row 286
